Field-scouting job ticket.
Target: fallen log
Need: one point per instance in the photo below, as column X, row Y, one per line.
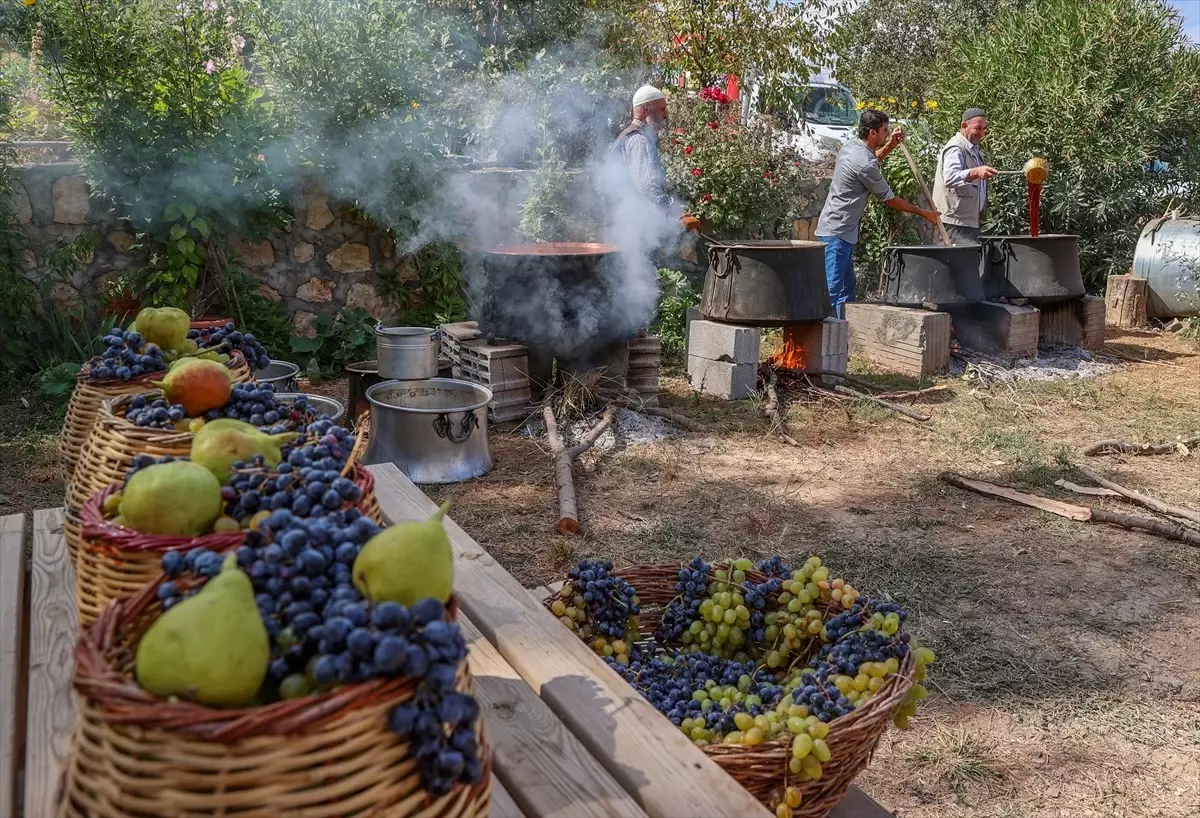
column 771, row 405
column 913, row 394
column 564, row 457
column 1126, row 447
column 902, row 411
column 1139, row 498
column 1085, row 514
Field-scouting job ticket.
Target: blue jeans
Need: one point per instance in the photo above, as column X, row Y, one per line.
column 839, row 272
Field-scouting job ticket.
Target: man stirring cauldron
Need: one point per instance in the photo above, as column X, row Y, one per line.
column 856, row 175
column 637, row 147
column 960, row 185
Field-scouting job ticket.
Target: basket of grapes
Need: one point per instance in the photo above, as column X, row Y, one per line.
column 154, row 424
column 288, row 692
column 132, row 359
column 186, row 512
column 786, row 678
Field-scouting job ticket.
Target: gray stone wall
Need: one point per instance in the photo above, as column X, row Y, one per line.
column 327, row 259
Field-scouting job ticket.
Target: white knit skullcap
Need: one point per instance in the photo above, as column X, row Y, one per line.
column 647, row 93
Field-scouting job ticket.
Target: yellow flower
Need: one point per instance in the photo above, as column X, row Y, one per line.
column 29, row 3
column 912, row 104
column 416, row 104
column 931, row 104
column 859, row 106
column 891, row 100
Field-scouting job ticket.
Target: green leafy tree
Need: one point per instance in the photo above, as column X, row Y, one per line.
column 707, row 39
column 1107, row 91
column 890, row 49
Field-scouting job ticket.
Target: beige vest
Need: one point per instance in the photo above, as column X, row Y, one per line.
column 962, row 206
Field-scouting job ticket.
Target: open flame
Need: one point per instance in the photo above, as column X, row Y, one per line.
column 795, row 351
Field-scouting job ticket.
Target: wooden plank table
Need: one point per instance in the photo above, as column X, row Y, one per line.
column 569, row 736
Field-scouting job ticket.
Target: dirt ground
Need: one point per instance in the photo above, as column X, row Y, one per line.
column 1068, row 679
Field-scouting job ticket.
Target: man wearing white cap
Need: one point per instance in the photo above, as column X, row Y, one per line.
column 960, row 184
column 637, row 146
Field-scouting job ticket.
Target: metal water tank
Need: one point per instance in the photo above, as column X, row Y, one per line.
column 1168, row 257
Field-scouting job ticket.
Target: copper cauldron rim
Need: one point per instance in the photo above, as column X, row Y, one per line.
column 550, row 248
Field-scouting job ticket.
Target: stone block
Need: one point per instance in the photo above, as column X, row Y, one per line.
column 350, row 258
column 120, row 239
column 72, row 200
column 364, row 295
column 1002, row 330
column 268, row 292
column 900, row 339
column 315, row 290
column 22, row 207
column 722, row 378
column 303, row 322
column 318, row 216
column 261, row 254
column 303, row 251
column 723, row 342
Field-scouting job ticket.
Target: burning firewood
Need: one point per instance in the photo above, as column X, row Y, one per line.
column 564, row 456
column 771, row 405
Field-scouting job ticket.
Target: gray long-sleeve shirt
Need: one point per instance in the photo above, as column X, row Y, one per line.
column 955, row 173
column 856, row 175
column 639, row 150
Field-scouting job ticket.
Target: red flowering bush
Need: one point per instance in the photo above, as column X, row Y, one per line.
column 738, row 179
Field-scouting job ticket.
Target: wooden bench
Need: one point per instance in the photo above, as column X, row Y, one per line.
column 570, row 737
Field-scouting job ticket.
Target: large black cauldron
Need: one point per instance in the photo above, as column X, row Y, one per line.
column 766, row 283
column 931, row 274
column 1043, row 269
column 566, row 301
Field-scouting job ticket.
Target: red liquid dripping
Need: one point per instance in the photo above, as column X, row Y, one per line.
column 1035, row 201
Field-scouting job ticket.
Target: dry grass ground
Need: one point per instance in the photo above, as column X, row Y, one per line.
column 1068, row 679
column 1068, row 682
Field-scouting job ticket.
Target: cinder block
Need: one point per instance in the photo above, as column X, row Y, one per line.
column 722, row 378
column 901, row 339
column 692, row 314
column 1003, row 330
column 724, row 342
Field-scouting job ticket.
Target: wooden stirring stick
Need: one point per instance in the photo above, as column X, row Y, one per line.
column 925, row 190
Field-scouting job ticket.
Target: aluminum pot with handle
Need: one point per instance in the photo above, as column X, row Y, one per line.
column 435, row 430
column 406, row 353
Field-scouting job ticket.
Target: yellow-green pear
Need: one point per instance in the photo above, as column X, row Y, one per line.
column 166, row 326
column 211, row 648
column 220, row 443
column 407, row 562
column 179, row 498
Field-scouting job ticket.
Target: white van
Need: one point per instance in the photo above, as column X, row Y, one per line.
column 816, row 115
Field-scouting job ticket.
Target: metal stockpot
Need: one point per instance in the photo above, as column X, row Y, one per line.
column 1043, row 269
column 766, row 283
column 361, row 376
column 406, row 353
column 435, row 431
column 331, row 407
column 931, row 274
column 280, row 374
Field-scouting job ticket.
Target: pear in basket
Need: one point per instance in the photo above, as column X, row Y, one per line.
column 407, row 562
column 198, row 384
column 166, row 326
column 179, row 499
column 220, row 443
column 211, row 648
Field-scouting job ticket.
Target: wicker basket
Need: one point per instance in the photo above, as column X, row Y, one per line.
column 763, row 769
column 333, row 756
column 88, row 395
column 115, row 562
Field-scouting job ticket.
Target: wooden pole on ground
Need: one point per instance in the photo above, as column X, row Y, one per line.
column 568, row 507
column 1139, row 498
column 1142, row 449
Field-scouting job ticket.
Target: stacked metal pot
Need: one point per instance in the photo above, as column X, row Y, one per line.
column 433, row 429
